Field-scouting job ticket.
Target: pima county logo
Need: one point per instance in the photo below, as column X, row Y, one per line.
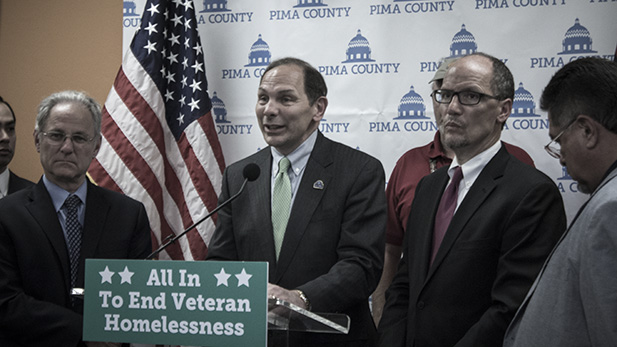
column 132, row 19
column 410, row 6
column 412, row 111
column 258, row 59
column 577, row 43
column 523, row 116
column 224, row 126
column 463, row 43
column 493, row 4
column 219, row 13
column 359, row 61
column 309, row 9
column 565, row 183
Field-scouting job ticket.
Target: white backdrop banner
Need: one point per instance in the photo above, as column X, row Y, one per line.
column 377, row 57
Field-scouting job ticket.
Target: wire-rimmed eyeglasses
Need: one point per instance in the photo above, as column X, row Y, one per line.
column 56, row 138
column 553, row 148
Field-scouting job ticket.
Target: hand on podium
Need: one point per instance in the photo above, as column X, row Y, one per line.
column 291, row 296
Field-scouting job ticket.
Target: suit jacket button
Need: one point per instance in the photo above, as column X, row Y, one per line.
column 420, row 305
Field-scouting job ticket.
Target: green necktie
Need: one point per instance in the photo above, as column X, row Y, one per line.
column 281, row 201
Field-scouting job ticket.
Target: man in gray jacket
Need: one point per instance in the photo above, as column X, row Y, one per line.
column 573, row 301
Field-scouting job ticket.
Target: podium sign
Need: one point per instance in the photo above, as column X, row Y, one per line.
column 176, row 302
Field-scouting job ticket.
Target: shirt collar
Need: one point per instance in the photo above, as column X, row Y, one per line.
column 472, row 168
column 298, row 158
column 4, row 183
column 59, row 195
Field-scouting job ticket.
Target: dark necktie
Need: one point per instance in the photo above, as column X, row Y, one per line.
column 445, row 211
column 73, row 233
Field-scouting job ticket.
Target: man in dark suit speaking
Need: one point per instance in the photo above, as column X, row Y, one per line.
column 479, row 229
column 316, row 214
column 47, row 231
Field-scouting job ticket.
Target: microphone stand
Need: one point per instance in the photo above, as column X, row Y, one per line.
column 176, row 237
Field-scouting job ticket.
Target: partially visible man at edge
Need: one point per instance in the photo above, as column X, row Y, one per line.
column 410, row 168
column 9, row 182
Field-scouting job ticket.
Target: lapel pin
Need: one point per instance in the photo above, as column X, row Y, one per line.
column 318, row 184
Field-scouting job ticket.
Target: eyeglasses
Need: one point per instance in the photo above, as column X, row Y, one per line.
column 553, row 148
column 57, row 138
column 465, row 97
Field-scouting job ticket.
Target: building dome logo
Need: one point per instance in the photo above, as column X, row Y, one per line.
column 218, row 107
column 260, row 53
column 358, row 50
column 463, row 43
column 577, row 40
column 129, row 8
column 411, row 106
column 310, row 3
column 523, row 104
column 215, row 6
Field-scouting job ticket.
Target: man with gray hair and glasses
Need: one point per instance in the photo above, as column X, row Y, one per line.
column 573, row 302
column 47, row 231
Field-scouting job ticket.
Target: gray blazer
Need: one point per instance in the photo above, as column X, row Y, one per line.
column 573, row 302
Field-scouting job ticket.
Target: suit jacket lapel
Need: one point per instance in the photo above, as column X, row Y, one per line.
column 97, row 209
column 480, row 190
column 43, row 212
column 306, row 201
column 262, row 207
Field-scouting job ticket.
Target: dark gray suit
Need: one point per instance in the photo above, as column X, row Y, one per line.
column 495, row 245
column 35, row 306
column 334, row 243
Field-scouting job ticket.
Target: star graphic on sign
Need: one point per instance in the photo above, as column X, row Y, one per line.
column 243, row 278
column 126, row 275
column 106, row 275
column 221, row 278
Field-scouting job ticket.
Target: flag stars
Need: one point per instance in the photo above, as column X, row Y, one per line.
column 197, row 49
column 195, row 85
column 197, row 67
column 185, row 63
column 182, row 100
column 187, row 43
column 187, row 23
column 194, row 104
column 174, row 40
column 170, row 77
column 187, row 4
column 153, row 9
column 177, row 20
column 150, row 46
column 151, row 28
column 180, row 119
column 184, row 83
column 169, row 95
column 172, row 58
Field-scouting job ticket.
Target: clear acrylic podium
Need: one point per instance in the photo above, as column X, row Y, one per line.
column 284, row 317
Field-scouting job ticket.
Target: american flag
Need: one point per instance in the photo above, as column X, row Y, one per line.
column 159, row 141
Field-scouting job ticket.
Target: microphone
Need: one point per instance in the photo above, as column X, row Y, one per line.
column 250, row 173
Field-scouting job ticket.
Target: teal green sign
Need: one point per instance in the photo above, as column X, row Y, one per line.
column 198, row 303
